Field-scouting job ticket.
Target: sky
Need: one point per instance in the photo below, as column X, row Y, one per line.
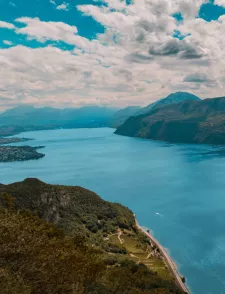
column 109, row 52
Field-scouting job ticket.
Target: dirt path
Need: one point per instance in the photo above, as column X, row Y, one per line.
column 167, row 258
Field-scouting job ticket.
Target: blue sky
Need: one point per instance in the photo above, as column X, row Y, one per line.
column 46, row 11
column 111, row 52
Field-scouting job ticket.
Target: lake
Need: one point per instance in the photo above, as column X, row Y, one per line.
column 176, row 190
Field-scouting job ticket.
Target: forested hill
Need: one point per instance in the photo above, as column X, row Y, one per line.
column 186, row 122
column 74, row 209
column 58, row 240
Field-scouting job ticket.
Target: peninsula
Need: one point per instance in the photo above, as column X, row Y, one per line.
column 19, row 153
column 4, row 141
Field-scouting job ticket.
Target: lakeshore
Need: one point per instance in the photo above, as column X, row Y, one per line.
column 170, row 263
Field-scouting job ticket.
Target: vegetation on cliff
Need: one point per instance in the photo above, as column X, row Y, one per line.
column 57, row 239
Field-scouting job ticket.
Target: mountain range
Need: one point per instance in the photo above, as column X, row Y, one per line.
column 181, row 117
column 27, row 118
column 90, row 116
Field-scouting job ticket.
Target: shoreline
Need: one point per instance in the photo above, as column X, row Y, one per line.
column 170, row 263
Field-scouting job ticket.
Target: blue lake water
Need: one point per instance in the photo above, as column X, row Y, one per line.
column 176, row 190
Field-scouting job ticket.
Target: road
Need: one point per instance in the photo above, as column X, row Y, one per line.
column 167, row 258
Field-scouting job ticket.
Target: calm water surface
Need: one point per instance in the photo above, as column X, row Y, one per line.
column 176, row 190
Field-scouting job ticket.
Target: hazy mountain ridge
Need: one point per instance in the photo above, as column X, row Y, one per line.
column 186, row 122
column 23, row 116
column 26, row 118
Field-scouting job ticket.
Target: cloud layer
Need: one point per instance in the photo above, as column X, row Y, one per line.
column 144, row 54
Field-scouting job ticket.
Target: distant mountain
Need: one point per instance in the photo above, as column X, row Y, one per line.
column 122, row 115
column 173, row 98
column 200, row 121
column 27, row 118
column 89, row 116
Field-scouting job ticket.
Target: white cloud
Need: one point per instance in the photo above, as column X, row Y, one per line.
column 12, row 4
column 63, row 6
column 8, row 43
column 135, row 61
column 52, row 2
column 49, row 75
column 43, row 30
column 6, row 25
column 220, row 2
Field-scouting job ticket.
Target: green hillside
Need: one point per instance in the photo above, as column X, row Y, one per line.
column 58, row 239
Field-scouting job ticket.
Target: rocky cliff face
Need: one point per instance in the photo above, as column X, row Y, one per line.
column 185, row 122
